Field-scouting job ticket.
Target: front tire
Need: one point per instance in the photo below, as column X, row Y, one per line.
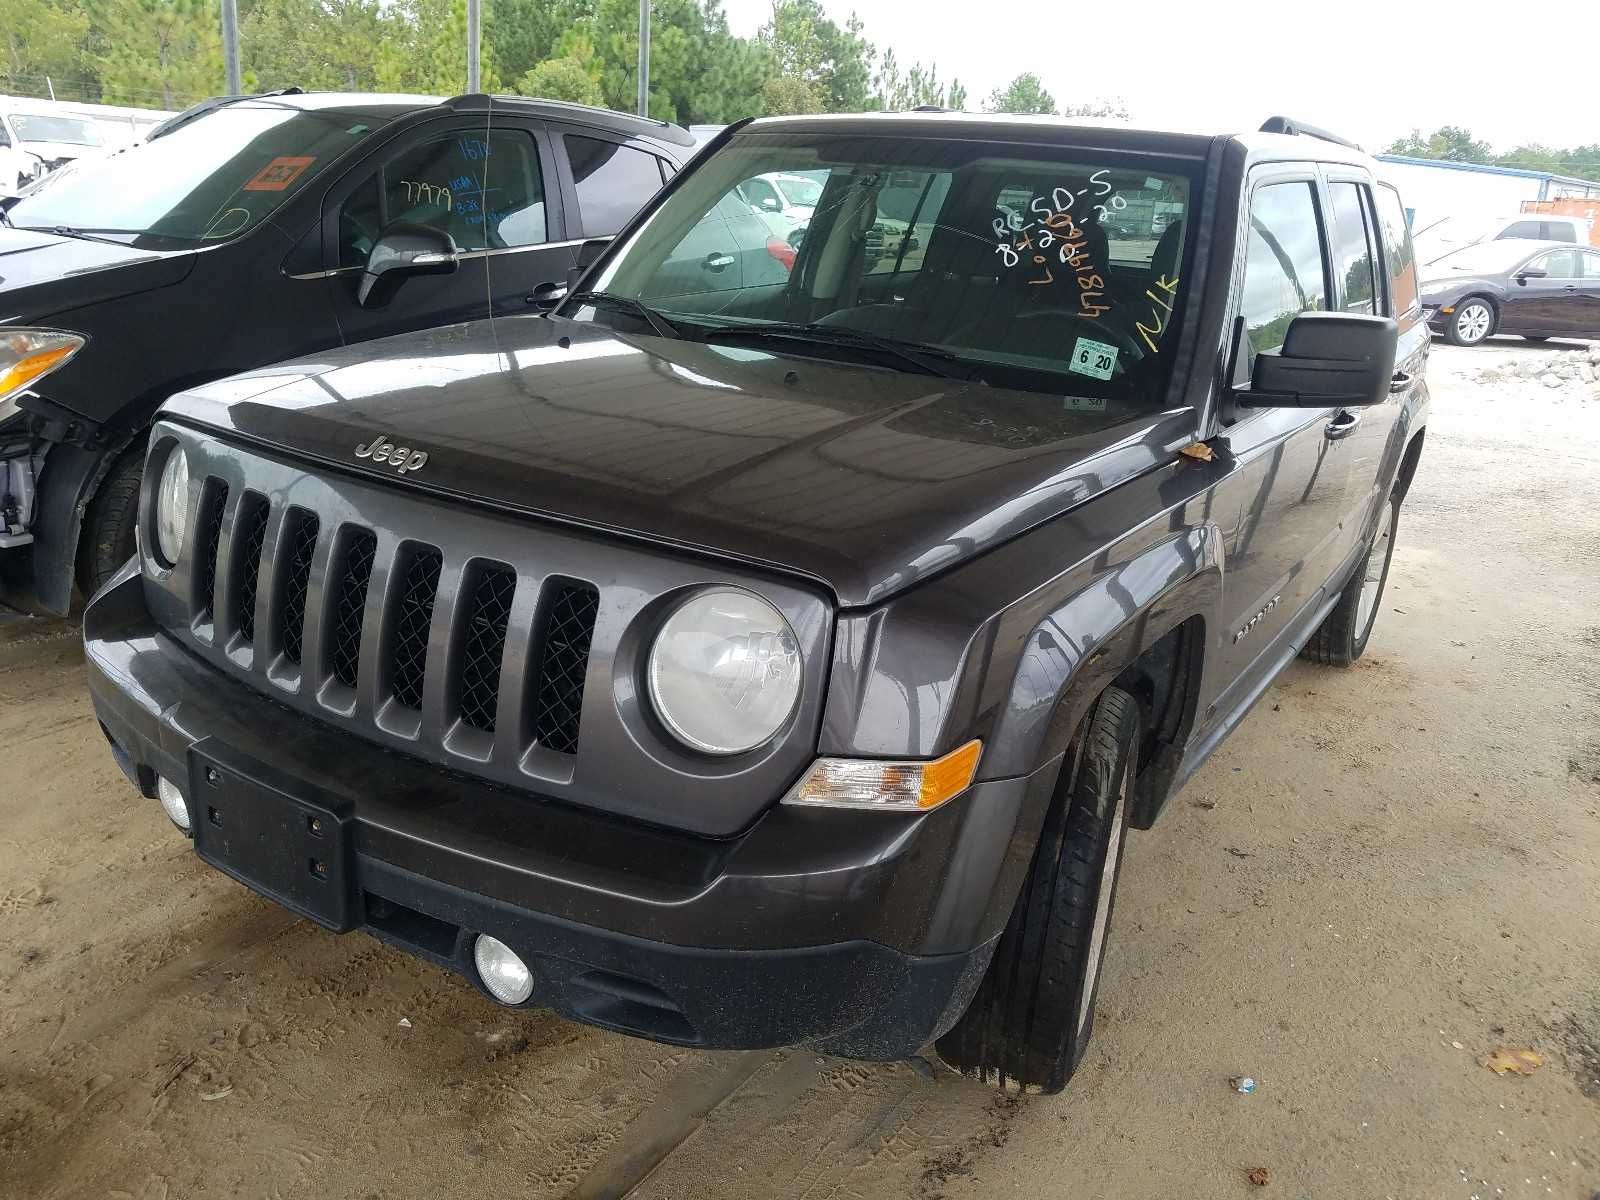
column 1030, row 1021
column 1474, row 319
column 108, row 539
column 1342, row 636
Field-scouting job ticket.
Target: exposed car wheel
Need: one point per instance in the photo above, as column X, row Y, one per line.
column 1342, row 636
column 1030, row 1021
column 108, row 537
column 1473, row 320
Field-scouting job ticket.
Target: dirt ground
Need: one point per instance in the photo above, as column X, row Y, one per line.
column 1386, row 874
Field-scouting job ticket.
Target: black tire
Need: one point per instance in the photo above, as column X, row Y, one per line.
column 1342, row 636
column 108, row 537
column 1466, row 328
column 1031, row 1018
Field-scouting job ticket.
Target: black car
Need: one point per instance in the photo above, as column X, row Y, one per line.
column 253, row 229
column 1537, row 289
column 750, row 663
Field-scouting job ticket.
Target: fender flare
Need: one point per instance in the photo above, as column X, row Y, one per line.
column 67, row 484
column 1114, row 620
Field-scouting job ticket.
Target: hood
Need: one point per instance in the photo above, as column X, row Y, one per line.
column 43, row 273
column 863, row 479
column 1447, row 286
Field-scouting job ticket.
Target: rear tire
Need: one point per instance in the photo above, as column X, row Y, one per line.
column 108, row 539
column 1474, row 319
column 1342, row 636
column 1031, row 1018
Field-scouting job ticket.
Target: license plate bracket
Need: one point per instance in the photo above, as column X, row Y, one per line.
column 290, row 845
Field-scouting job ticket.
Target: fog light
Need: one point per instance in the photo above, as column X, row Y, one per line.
column 505, row 975
column 172, row 800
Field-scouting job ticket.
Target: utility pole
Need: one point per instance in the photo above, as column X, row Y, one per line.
column 474, row 19
column 644, row 58
column 230, row 45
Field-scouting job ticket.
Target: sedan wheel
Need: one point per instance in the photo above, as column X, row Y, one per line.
column 1473, row 322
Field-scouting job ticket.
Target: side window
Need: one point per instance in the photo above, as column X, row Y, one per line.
column 1558, row 264
column 908, row 209
column 1522, row 229
column 1558, row 231
column 613, row 182
column 762, row 195
column 1352, row 248
column 1591, row 264
column 5, row 138
column 485, row 191
column 1283, row 269
column 1400, row 260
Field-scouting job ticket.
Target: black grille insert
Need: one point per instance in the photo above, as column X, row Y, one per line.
column 563, row 661
column 350, row 602
column 302, row 545
column 250, row 531
column 213, row 501
column 408, row 657
column 488, row 609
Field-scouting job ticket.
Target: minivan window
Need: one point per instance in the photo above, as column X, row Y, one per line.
column 613, row 182
column 1352, row 248
column 1398, row 256
column 1283, row 269
column 989, row 260
column 210, row 180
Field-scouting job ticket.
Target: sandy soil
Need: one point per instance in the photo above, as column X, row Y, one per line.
column 1384, row 875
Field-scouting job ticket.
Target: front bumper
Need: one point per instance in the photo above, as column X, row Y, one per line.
column 863, row 933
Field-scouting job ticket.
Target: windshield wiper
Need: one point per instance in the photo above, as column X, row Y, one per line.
column 927, row 360
column 68, row 231
column 662, row 326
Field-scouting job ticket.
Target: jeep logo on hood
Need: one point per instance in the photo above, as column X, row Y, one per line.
column 402, row 458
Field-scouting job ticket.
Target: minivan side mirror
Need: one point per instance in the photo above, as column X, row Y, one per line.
column 402, row 250
column 1328, row 360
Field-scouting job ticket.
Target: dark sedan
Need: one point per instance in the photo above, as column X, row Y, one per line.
column 1536, row 289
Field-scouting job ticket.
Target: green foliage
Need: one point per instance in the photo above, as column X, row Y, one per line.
column 157, row 53
column 1453, row 144
column 39, row 38
column 1024, row 94
column 167, row 53
column 562, row 79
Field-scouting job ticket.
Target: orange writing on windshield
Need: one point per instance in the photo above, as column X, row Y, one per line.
column 279, row 174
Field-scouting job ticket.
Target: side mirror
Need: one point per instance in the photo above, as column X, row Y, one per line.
column 1528, row 273
column 402, row 250
column 588, row 254
column 1328, row 360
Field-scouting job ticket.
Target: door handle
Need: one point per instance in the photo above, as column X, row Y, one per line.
column 1342, row 426
column 546, row 293
column 1399, row 382
column 717, row 262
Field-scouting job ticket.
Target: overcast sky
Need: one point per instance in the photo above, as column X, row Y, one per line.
column 1367, row 69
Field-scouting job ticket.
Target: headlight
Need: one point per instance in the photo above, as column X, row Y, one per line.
column 27, row 356
column 725, row 672
column 172, row 506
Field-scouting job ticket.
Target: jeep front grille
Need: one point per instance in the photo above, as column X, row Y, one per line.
column 380, row 597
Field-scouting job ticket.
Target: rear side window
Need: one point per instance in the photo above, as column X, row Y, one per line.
column 1283, row 270
column 1523, row 229
column 613, row 182
column 1352, row 248
column 1399, row 258
column 1591, row 264
column 1558, row 231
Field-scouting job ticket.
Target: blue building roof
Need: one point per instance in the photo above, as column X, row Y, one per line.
column 1489, row 169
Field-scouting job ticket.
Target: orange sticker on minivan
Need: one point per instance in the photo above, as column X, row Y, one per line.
column 279, row 174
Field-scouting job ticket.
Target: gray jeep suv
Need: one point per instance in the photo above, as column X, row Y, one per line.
column 745, row 661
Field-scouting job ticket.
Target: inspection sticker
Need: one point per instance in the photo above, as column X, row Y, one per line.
column 1092, row 358
column 279, row 174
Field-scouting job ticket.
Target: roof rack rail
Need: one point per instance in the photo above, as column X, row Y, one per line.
column 1293, row 127
column 470, row 101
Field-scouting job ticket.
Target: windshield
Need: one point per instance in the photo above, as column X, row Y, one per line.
column 39, row 127
column 1028, row 267
column 1485, row 256
column 210, row 180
